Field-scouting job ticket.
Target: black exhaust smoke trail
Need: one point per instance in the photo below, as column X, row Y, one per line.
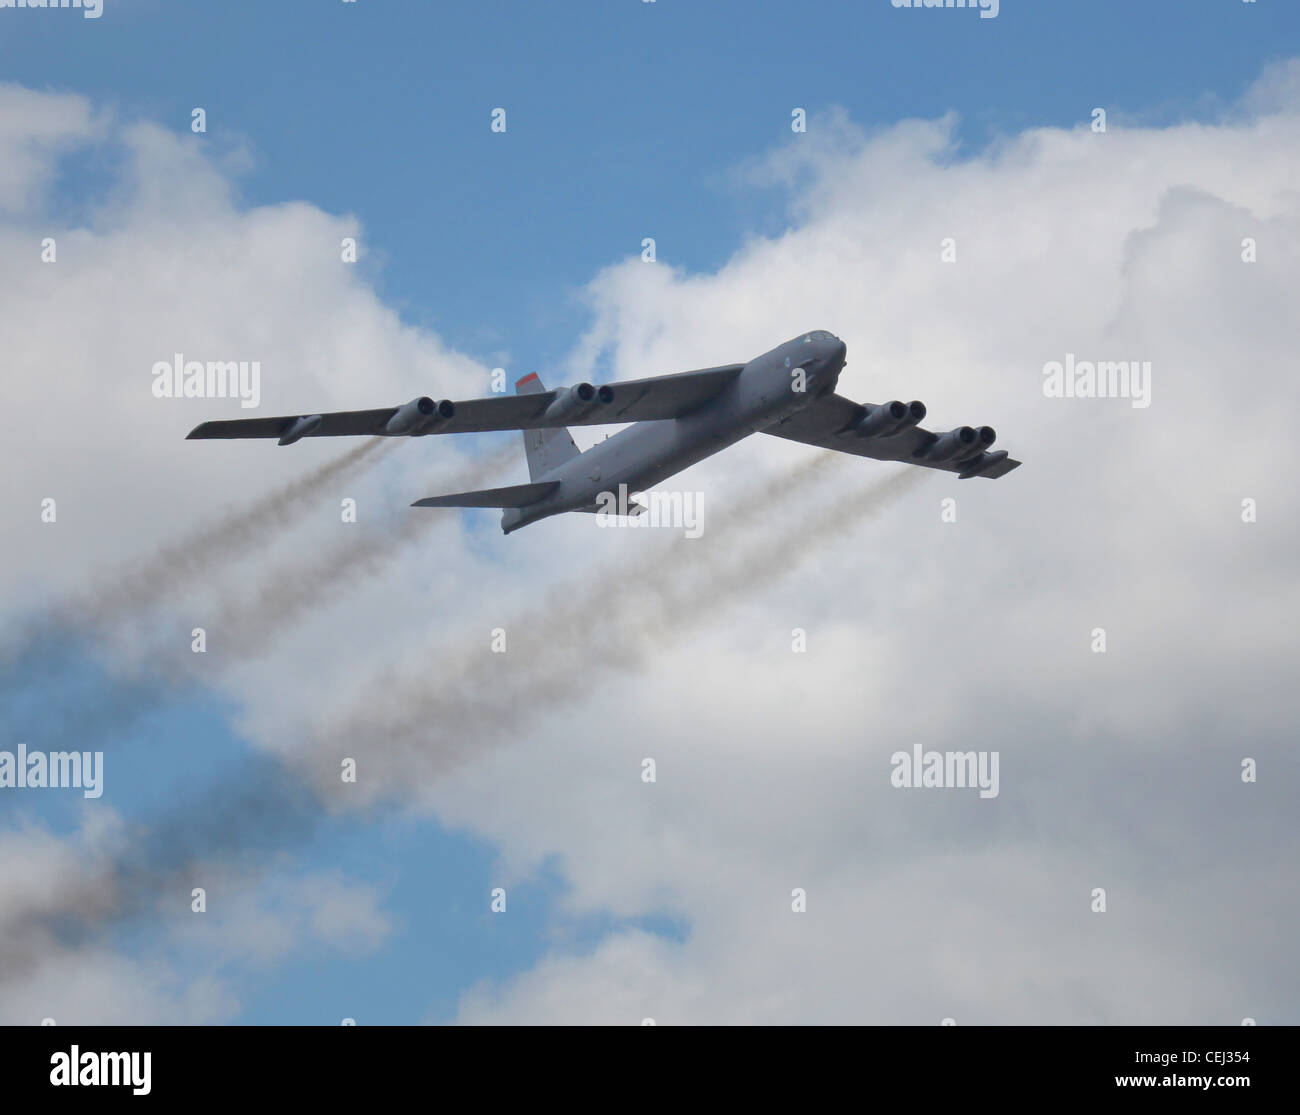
column 242, row 818
column 269, row 805
column 232, row 534
column 38, row 644
column 249, row 624
column 403, row 701
column 460, row 707
column 282, row 597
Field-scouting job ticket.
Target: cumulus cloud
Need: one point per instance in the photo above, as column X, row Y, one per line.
column 52, row 885
column 163, row 260
column 1119, row 770
column 47, row 876
column 35, row 128
column 273, row 918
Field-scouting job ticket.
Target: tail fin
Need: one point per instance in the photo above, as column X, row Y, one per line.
column 545, row 449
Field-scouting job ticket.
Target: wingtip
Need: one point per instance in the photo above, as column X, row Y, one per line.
column 1002, row 468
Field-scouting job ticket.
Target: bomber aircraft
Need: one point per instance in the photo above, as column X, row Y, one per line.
column 676, row 421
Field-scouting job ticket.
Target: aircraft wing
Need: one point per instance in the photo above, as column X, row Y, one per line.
column 342, row 423
column 834, row 422
column 635, row 400
column 670, row 396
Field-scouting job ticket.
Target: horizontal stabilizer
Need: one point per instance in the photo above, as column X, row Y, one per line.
column 517, row 495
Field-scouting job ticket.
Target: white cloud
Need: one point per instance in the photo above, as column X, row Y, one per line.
column 166, row 262
column 43, row 975
column 1117, row 771
column 267, row 919
column 249, row 919
column 35, row 128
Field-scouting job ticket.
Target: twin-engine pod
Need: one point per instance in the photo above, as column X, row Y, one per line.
column 959, row 444
column 419, row 416
column 888, row 419
column 577, row 402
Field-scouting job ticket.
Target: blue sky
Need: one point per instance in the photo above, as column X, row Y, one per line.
column 625, row 120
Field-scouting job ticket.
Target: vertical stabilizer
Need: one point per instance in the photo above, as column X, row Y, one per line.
column 545, row 449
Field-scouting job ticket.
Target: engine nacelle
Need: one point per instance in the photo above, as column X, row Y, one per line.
column 915, row 412
column 889, row 419
column 577, row 401
column 419, row 416
column 960, row 444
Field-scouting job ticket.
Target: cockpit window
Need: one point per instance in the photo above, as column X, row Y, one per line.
column 821, row 335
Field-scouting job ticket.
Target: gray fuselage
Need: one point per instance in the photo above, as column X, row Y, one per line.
column 648, row 453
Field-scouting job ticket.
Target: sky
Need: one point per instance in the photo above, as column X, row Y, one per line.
column 522, row 250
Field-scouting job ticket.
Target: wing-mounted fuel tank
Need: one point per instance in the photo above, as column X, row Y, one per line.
column 299, row 428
